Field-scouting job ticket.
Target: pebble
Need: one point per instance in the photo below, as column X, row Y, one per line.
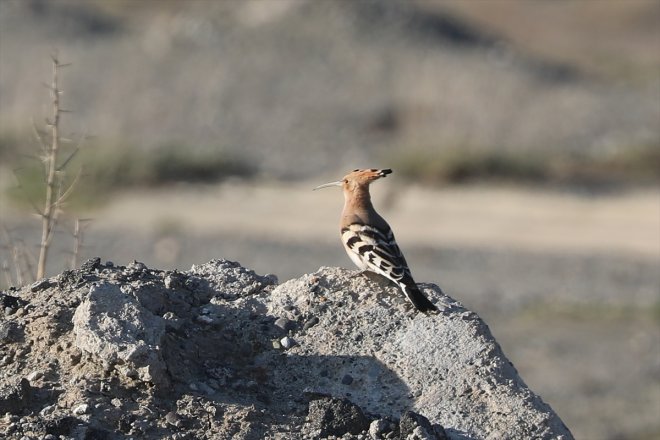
column 287, row 342
column 47, row 410
column 40, row 285
column 377, row 428
column 277, row 345
column 311, row 322
column 81, row 409
column 35, row 375
column 284, row 324
column 116, row 403
column 49, row 437
column 204, row 319
column 173, row 419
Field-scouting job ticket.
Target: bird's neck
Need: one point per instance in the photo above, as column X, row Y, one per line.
column 357, row 201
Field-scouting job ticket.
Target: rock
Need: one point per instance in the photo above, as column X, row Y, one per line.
column 413, row 426
column 331, row 416
column 230, row 278
column 10, row 331
column 287, row 342
column 11, row 302
column 448, row 366
column 311, row 322
column 34, row 376
column 15, row 398
column 133, row 345
column 91, row 264
column 173, row 419
column 114, row 326
column 285, row 324
column 378, row 427
column 80, row 409
column 41, row 285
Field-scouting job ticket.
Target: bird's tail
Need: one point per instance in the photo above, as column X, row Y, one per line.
column 416, row 297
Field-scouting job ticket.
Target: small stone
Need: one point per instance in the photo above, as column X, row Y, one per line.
column 311, row 322
column 377, row 428
column 287, row 342
column 81, row 409
column 347, row 379
column 47, row 410
column 35, row 375
column 49, row 437
column 204, row 319
column 40, row 285
column 277, row 345
column 284, row 324
column 173, row 419
column 116, row 403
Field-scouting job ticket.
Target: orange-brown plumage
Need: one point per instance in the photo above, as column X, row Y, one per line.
column 369, row 240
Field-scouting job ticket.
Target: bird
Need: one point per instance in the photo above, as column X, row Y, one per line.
column 368, row 239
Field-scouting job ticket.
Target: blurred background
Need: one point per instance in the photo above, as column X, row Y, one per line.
column 524, row 138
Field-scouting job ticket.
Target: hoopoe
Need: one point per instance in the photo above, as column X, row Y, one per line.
column 369, row 240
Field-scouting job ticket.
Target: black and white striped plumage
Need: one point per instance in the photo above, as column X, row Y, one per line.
column 369, row 240
column 377, row 251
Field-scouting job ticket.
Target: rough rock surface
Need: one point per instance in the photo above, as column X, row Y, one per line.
column 118, row 352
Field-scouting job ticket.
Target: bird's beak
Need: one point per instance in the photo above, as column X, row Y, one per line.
column 325, row 185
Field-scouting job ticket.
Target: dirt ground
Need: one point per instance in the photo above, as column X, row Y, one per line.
column 567, row 282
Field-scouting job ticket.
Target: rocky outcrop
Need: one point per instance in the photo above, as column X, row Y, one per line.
column 221, row 352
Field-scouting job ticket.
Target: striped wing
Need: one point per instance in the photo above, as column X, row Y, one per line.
column 377, row 250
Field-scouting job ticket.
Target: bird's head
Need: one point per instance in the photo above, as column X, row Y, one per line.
column 357, row 178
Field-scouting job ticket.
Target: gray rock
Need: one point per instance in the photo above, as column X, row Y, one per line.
column 413, row 426
column 112, row 325
column 173, row 419
column 41, row 285
column 448, row 366
column 311, row 322
column 10, row 331
column 230, row 278
column 15, row 398
column 330, row 416
column 287, row 342
column 80, row 409
column 285, row 324
column 377, row 428
column 35, row 375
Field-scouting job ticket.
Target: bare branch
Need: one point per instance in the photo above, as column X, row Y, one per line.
column 68, row 159
column 62, row 198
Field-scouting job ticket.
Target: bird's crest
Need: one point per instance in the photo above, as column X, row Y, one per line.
column 358, row 177
column 366, row 176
